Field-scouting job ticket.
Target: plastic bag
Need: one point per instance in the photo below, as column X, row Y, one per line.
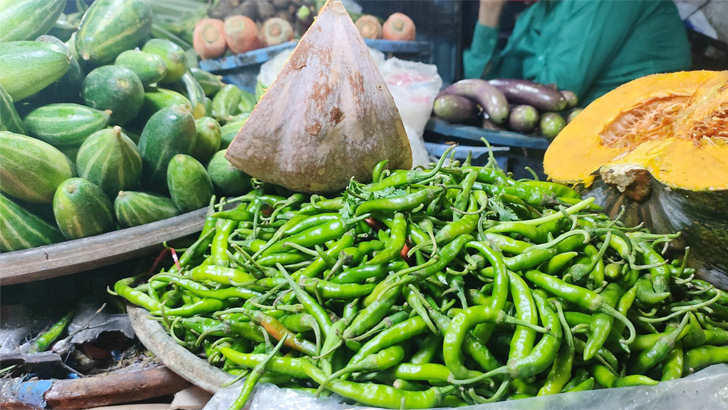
column 706, row 389
column 414, row 87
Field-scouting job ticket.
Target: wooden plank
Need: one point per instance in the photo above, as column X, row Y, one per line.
column 88, row 253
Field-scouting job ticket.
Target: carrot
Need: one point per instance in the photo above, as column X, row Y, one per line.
column 276, row 31
column 241, row 34
column 399, row 27
column 369, row 27
column 208, row 38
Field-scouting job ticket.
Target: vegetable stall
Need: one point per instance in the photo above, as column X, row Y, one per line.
column 278, row 248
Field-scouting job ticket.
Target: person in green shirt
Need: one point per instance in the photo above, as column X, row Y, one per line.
column 587, row 46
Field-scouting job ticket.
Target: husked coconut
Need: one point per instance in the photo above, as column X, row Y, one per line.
column 327, row 117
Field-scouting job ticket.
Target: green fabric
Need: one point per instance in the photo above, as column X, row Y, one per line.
column 587, row 46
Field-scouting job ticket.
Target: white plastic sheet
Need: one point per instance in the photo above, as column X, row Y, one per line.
column 414, row 87
column 706, row 389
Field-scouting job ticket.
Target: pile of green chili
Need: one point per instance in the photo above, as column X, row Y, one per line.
column 445, row 286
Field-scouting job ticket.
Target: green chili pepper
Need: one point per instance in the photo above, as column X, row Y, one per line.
column 582, row 297
column 604, row 376
column 206, row 305
column 659, row 270
column 253, row 379
column 672, row 367
column 601, row 324
column 556, row 263
column 360, row 274
column 123, row 288
column 580, row 375
column 310, row 237
column 221, row 274
column 396, row 241
column 429, row 372
column 380, row 395
column 328, row 205
column 372, row 314
column 284, row 365
column 382, row 360
column 395, row 334
column 700, row 357
column 504, row 243
column 45, row 339
column 696, row 335
column 461, row 202
column 500, row 291
column 651, row 357
column 463, row 226
column 587, row 384
column 198, row 248
column 319, row 265
column 378, row 170
column 635, row 380
column 426, row 351
column 646, row 294
column 399, row 203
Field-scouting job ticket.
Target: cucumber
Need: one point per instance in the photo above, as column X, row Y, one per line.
column 114, row 88
column 243, row 116
column 156, row 99
column 551, row 124
column 65, row 124
column 71, row 46
column 260, row 89
column 27, row 67
column 110, row 159
column 173, row 55
column 228, row 132
column 70, row 151
column 247, row 102
column 210, row 83
column 189, row 185
column 139, row 208
column 82, row 209
column 225, row 103
column 30, row 169
column 169, row 132
column 227, row 180
column 193, row 91
column 27, row 19
column 208, row 107
column 21, row 229
column 9, row 118
column 68, row 88
column 207, row 139
column 150, row 68
column 110, row 27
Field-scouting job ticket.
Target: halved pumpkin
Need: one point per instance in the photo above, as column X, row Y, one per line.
column 659, row 147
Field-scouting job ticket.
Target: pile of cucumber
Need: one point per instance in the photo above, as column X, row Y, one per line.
column 108, row 130
column 506, row 104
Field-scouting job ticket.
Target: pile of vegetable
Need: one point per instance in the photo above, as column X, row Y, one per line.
column 518, row 105
column 97, row 134
column 444, row 286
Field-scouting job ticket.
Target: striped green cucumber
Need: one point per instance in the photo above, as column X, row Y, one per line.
column 169, row 132
column 189, row 185
column 21, row 229
column 68, row 88
column 173, row 55
column 65, row 124
column 114, row 88
column 150, row 68
column 227, row 180
column 110, row 159
column 193, row 91
column 247, row 102
column 30, row 169
column 82, row 209
column 9, row 118
column 158, row 98
column 260, row 89
column 225, row 103
column 62, row 29
column 27, row 19
column 26, row 67
column 243, row 116
column 228, row 132
column 139, row 208
column 110, row 27
column 207, row 139
column 209, row 82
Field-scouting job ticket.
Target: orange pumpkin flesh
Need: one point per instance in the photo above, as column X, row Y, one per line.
column 326, row 118
column 655, row 151
column 666, row 123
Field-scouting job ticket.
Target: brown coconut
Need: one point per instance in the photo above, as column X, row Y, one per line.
column 327, row 117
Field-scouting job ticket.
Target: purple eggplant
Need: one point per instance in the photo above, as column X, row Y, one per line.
column 481, row 92
column 454, row 108
column 539, row 96
column 551, row 124
column 523, row 118
column 570, row 97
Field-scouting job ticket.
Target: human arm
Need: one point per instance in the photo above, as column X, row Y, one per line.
column 483, row 47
